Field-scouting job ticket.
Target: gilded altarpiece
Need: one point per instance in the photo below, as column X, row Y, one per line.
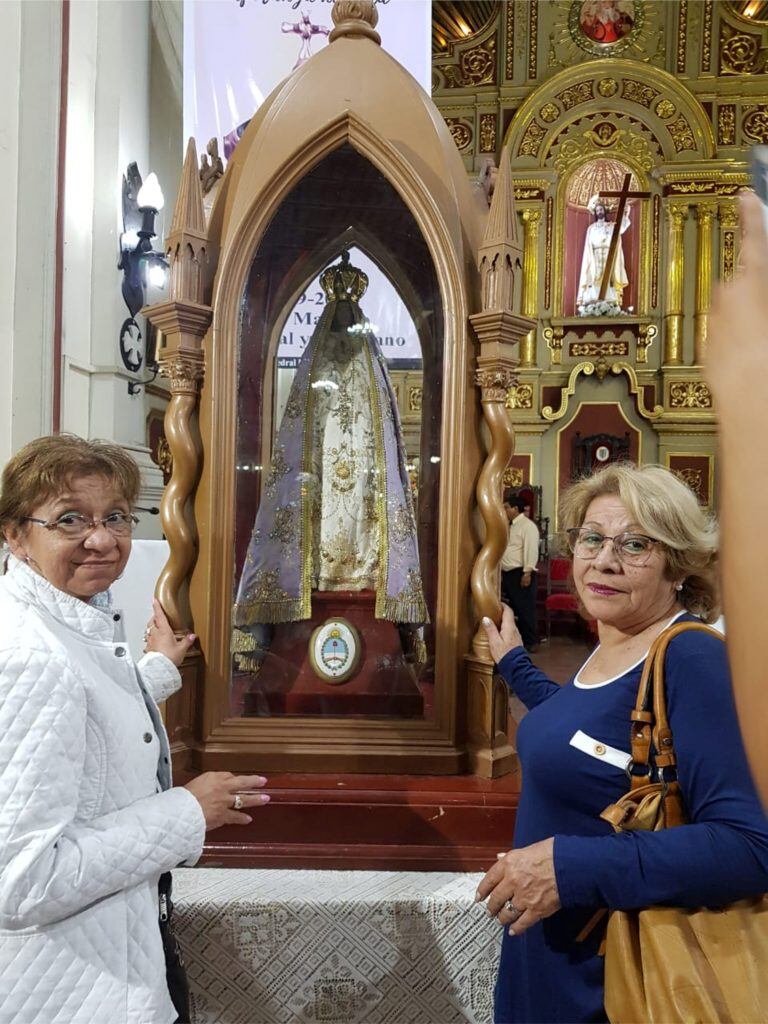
column 671, row 94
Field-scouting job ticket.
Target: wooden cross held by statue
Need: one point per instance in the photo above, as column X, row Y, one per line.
column 623, row 195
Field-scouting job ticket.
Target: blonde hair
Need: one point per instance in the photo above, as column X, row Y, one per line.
column 45, row 466
column 666, row 509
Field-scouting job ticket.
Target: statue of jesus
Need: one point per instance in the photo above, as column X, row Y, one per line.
column 597, row 242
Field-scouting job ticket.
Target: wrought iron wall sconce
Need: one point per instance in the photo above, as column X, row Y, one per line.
column 141, row 266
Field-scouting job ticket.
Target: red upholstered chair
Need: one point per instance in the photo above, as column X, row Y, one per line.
column 559, row 599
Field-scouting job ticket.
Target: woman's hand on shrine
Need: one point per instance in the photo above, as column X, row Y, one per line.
column 737, row 340
column 160, row 638
column 222, row 797
column 502, row 641
column 521, row 887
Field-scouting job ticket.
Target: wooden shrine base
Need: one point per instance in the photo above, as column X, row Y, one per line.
column 373, row 822
column 385, row 684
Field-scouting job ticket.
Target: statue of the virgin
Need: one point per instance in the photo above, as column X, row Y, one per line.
column 336, row 511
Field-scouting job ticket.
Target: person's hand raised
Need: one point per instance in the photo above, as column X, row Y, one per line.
column 507, row 638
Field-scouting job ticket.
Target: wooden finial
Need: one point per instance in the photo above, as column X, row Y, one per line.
column 188, row 214
column 500, row 253
column 354, row 18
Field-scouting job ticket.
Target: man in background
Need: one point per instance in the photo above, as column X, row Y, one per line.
column 518, row 569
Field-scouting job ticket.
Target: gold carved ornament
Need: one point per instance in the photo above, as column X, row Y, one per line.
column 164, row 458
column 185, row 370
column 599, row 348
column 461, row 132
column 638, row 92
column 509, row 66
column 513, row 477
column 533, row 40
column 636, row 147
column 549, row 113
column 576, row 94
column 690, row 394
column 487, row 133
column 476, row 67
column 755, row 124
column 694, row 478
column 706, row 37
column 607, row 87
column 665, row 109
column 415, row 397
column 519, row 396
column 740, row 52
column 646, row 335
column 682, row 136
column 531, row 141
column 682, row 27
column 726, row 125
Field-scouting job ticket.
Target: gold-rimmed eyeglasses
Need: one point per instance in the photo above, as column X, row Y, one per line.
column 631, row 548
column 76, row 526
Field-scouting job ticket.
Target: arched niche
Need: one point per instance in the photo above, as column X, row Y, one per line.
column 325, row 205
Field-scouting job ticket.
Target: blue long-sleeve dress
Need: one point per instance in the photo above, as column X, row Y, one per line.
column 573, row 744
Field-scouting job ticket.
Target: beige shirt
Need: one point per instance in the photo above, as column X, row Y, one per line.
column 522, row 545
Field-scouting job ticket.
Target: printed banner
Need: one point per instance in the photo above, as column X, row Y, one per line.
column 237, row 51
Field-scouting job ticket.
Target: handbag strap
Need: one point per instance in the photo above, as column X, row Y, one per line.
column 653, row 726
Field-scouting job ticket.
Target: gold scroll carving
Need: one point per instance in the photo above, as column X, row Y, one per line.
column 690, row 394
column 487, row 133
column 638, row 92
column 461, row 132
column 599, row 348
column 476, row 67
column 729, row 221
column 645, row 338
column 531, row 141
column 755, row 124
column 694, row 478
column 513, row 477
column 553, row 336
column 682, row 136
column 519, row 396
column 415, row 396
column 740, row 52
column 576, row 94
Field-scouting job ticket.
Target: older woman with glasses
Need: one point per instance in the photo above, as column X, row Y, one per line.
column 644, row 556
column 89, row 821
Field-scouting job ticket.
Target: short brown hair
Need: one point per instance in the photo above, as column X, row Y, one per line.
column 665, row 508
column 44, row 467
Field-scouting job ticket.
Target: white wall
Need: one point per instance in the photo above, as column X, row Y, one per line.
column 30, row 47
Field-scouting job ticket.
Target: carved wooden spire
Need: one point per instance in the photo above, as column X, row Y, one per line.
column 500, row 253
column 187, row 242
column 354, row 18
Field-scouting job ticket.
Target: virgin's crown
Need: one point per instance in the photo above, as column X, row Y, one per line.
column 343, row 281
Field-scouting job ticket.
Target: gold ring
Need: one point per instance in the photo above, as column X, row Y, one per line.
column 238, row 802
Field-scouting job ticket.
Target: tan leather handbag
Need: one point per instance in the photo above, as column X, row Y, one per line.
column 665, row 965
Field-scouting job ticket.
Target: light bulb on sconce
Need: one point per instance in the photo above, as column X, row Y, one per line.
column 141, row 266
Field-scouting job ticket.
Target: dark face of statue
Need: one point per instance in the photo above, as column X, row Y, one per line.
column 343, row 316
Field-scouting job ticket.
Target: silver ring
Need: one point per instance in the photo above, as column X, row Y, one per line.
column 238, row 802
column 510, row 906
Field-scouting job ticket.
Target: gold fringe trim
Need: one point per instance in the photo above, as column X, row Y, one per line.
column 398, row 609
column 246, row 663
column 271, row 612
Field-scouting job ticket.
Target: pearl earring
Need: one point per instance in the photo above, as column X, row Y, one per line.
column 679, row 586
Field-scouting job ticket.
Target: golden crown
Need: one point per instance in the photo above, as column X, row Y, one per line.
column 343, row 281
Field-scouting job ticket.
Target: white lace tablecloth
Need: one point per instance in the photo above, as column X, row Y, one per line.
column 335, row 947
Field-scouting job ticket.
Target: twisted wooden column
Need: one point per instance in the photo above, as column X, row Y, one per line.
column 185, row 371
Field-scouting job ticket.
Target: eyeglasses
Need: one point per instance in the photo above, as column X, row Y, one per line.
column 631, row 548
column 75, row 527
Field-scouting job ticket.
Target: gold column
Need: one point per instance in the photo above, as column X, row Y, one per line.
column 673, row 317
column 531, row 221
column 728, row 215
column 705, row 213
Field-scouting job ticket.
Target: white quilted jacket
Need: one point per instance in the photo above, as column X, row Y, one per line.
column 87, row 823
